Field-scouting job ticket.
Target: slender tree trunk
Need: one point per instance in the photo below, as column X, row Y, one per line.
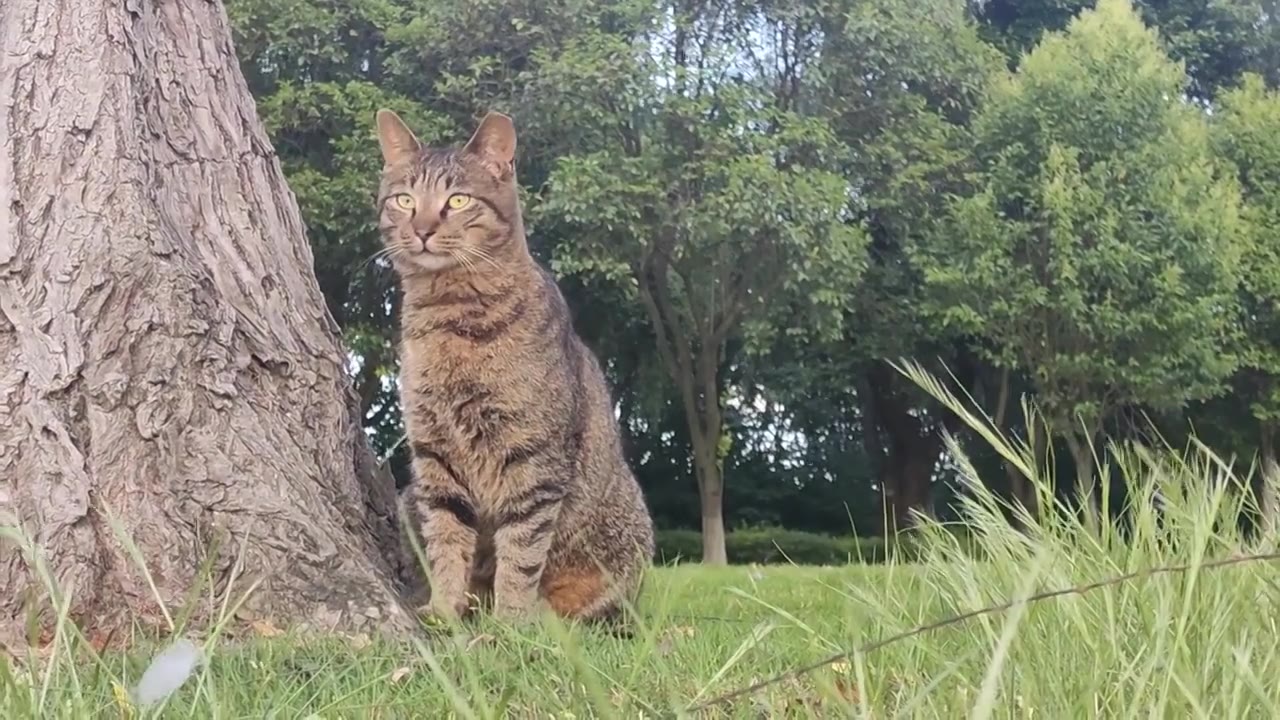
column 711, row 496
column 891, row 496
column 165, row 353
column 1021, row 489
column 692, row 356
column 906, row 467
column 917, row 479
column 707, row 451
column 1086, row 484
column 875, row 450
column 1267, row 481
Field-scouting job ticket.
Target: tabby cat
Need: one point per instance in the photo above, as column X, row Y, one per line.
column 519, row 477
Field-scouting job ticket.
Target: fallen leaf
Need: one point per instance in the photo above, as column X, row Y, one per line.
column 121, row 696
column 360, row 641
column 400, row 674
column 800, row 695
column 264, row 628
column 665, row 645
column 430, row 620
column 667, row 641
column 848, row 690
column 481, row 639
column 99, row 641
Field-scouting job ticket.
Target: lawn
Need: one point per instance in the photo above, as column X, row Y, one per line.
column 1193, row 643
column 1178, row 646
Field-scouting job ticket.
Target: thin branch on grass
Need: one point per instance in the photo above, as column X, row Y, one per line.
column 989, row 610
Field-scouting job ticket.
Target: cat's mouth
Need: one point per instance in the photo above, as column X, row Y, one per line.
column 433, row 246
column 428, row 255
column 432, row 261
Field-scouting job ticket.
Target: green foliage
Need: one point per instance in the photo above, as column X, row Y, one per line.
column 740, row 215
column 1101, row 250
column 904, row 79
column 1217, row 40
column 1247, row 132
column 809, row 189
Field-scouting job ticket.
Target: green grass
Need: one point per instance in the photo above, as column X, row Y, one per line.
column 1201, row 647
column 1193, row 644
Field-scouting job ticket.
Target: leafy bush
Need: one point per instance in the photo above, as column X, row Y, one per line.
column 778, row 545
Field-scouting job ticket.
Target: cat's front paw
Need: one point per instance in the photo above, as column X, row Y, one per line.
column 442, row 612
column 516, row 612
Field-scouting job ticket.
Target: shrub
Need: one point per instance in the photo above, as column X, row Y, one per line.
column 767, row 546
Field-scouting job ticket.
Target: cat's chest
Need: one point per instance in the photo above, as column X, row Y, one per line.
column 462, row 409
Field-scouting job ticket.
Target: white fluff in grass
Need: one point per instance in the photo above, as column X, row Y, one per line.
column 167, row 672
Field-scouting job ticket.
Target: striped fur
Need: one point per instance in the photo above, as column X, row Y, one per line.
column 519, row 477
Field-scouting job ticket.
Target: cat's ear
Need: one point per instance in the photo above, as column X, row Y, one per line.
column 494, row 142
column 398, row 143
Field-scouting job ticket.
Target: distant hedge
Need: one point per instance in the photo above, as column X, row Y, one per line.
column 766, row 546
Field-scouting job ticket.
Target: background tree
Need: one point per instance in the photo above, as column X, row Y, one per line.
column 1216, row 40
column 165, row 352
column 715, row 203
column 1247, row 132
column 902, row 79
column 1100, row 253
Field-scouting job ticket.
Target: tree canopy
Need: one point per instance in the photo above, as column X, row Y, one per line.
column 1100, row 249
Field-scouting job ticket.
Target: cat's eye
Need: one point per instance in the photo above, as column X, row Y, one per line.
column 459, row 201
column 404, row 202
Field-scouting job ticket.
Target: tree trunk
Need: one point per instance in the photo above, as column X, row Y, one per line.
column 694, row 366
column 874, row 447
column 165, row 353
column 916, row 478
column 906, row 466
column 1021, row 489
column 1082, row 458
column 706, row 453
column 905, row 478
column 711, row 496
column 1266, row 482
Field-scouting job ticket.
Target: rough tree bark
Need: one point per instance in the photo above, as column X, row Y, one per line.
column 165, row 352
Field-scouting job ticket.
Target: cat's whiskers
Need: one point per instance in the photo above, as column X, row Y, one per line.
column 385, row 252
column 482, row 255
column 462, row 258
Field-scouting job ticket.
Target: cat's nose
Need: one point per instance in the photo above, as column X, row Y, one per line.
column 424, row 239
